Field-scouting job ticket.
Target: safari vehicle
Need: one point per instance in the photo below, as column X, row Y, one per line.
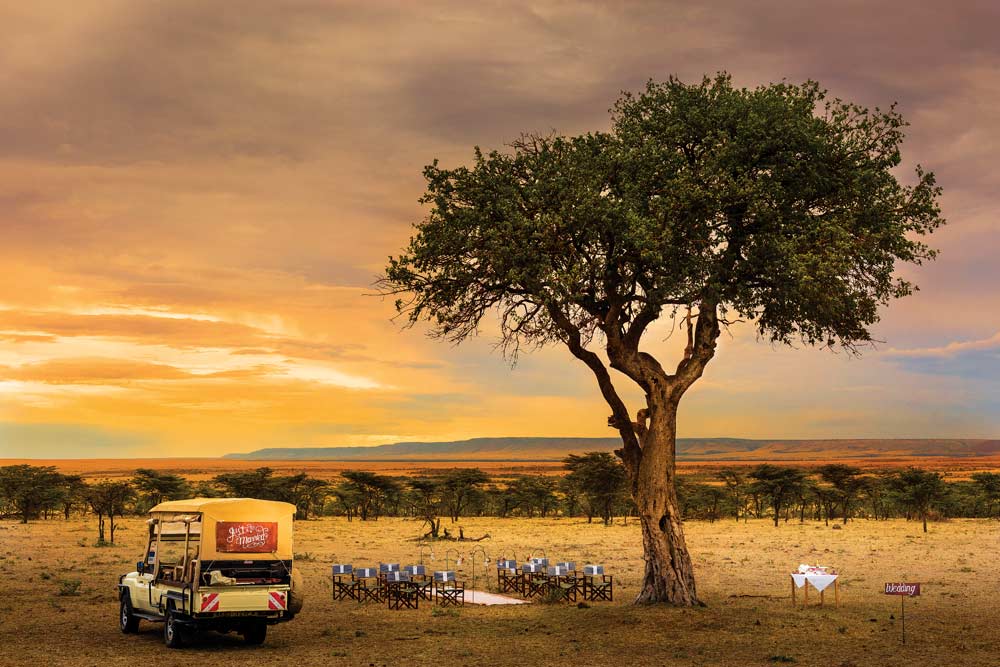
column 221, row 564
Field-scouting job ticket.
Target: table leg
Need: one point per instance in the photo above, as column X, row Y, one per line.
column 836, row 592
column 793, row 590
column 821, row 593
column 805, row 588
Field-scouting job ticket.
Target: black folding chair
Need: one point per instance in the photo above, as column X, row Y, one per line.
column 400, row 591
column 598, row 585
column 447, row 590
column 369, row 587
column 344, row 585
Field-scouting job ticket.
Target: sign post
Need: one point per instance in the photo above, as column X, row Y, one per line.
column 903, row 590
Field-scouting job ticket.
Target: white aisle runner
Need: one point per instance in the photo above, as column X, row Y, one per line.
column 484, row 598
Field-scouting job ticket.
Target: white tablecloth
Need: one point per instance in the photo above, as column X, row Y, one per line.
column 819, row 581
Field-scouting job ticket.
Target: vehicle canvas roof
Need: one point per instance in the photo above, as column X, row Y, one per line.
column 221, row 514
column 225, row 508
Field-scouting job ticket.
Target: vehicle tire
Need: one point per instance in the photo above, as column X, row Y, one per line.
column 127, row 621
column 173, row 633
column 296, row 594
column 255, row 633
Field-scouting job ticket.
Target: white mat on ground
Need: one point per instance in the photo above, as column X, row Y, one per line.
column 484, row 598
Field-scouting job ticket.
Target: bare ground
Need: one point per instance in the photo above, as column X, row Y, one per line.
column 741, row 568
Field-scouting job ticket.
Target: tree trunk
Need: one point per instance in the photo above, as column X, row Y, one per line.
column 669, row 574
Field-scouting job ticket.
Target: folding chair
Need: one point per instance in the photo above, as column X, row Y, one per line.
column 558, row 581
column 399, row 591
column 573, row 576
column 533, row 580
column 369, row 586
column 508, row 580
column 447, row 590
column 344, row 585
column 597, row 589
column 422, row 585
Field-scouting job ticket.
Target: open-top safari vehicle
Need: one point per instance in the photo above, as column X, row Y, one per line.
column 221, row 564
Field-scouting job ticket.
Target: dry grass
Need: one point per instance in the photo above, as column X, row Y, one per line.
column 952, row 623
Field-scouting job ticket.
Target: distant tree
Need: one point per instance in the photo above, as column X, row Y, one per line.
column 504, row 499
column 847, row 481
column 706, row 202
column 534, row 493
column 348, row 497
column 780, row 484
column 458, row 486
column 736, row 485
column 699, row 500
column 310, row 495
column 28, row 490
column 572, row 499
column 371, row 491
column 989, row 486
column 108, row 499
column 428, row 503
column 876, row 491
column 918, row 491
column 74, row 493
column 153, row 486
column 600, row 478
column 257, row 483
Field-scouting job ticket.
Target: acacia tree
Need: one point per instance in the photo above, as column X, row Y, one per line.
column 704, row 202
column 600, row 478
column 847, row 482
column 108, row 499
column 459, row 486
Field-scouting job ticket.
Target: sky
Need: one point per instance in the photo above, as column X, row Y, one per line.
column 196, row 197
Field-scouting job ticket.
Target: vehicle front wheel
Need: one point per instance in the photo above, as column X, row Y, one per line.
column 173, row 634
column 255, row 633
column 127, row 621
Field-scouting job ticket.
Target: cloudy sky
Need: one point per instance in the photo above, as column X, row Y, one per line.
column 195, row 200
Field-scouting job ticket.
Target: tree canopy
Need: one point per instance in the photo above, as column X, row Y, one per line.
column 775, row 205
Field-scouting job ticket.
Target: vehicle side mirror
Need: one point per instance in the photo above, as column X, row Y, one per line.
column 140, row 567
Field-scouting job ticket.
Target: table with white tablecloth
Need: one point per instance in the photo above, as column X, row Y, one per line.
column 818, row 580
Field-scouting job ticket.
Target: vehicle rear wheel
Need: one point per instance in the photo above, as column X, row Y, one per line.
column 173, row 634
column 255, row 633
column 127, row 621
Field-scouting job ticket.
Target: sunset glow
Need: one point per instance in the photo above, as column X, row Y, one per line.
column 195, row 203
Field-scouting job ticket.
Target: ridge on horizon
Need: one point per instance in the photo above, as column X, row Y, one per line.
column 526, row 448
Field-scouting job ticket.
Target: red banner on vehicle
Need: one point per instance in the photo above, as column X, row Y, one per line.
column 246, row 537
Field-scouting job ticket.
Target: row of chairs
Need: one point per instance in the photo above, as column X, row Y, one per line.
column 398, row 588
column 563, row 581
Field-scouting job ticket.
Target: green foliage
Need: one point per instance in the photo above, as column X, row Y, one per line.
column 775, row 204
column 369, row 492
column 69, row 587
column 847, row 483
column 533, row 493
column 918, row 490
column 600, row 479
column 306, row 493
column 154, row 487
column 781, row 484
column 108, row 499
column 26, row 491
column 459, row 486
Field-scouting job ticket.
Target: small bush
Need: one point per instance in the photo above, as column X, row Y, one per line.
column 68, row 587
